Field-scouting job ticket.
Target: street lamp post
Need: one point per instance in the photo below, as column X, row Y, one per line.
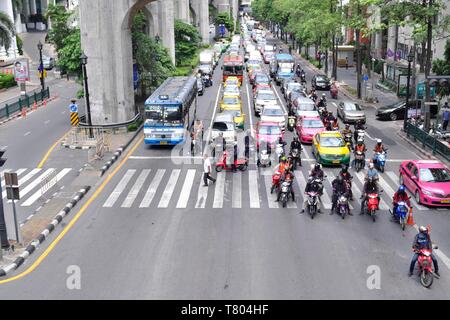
column 41, row 65
column 410, row 60
column 83, row 60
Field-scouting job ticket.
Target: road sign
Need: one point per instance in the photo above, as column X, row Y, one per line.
column 365, row 77
column 74, row 119
column 73, row 108
column 12, row 186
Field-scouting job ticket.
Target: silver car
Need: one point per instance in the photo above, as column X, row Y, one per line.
column 48, row 62
column 350, row 112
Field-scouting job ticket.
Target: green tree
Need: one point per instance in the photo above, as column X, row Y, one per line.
column 60, row 25
column 69, row 54
column 442, row 66
column 7, row 30
column 187, row 41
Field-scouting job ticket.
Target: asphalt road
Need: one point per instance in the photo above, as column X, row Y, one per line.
column 151, row 231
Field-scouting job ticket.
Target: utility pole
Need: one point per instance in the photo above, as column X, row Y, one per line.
column 3, row 232
column 428, row 68
column 358, row 56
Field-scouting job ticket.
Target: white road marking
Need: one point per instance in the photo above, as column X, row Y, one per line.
column 237, row 190
column 213, row 116
column 24, row 179
column 249, row 108
column 41, row 192
column 170, row 187
column 219, row 190
column 163, row 157
column 151, row 191
column 119, row 189
column 47, row 122
column 281, row 101
column 253, row 189
column 33, row 184
column 186, row 190
column 128, row 202
column 27, row 134
column 270, row 197
column 202, row 194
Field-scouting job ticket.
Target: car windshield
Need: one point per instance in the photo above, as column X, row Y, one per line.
column 269, row 130
column 294, row 86
column 312, row 124
column 434, row 175
column 272, row 112
column 232, row 82
column 221, row 126
column 265, row 96
column 231, row 100
column 285, row 70
column 352, row 107
column 234, row 113
column 305, row 107
column 231, row 89
column 262, row 78
column 331, row 142
column 321, row 79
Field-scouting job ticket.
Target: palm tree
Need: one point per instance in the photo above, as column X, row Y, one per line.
column 7, row 30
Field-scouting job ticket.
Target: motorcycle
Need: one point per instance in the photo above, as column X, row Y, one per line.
column 372, row 205
column 291, row 123
column 241, row 164
column 279, row 150
column 379, row 161
column 401, row 213
column 206, row 78
column 295, row 154
column 264, row 159
column 425, row 263
column 302, row 79
column 334, row 92
column 359, row 135
column 360, row 161
column 323, row 112
column 348, row 182
column 342, row 207
column 335, row 126
column 348, row 140
column 313, row 200
column 285, row 192
column 276, row 177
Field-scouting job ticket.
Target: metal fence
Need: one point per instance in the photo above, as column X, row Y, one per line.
column 26, row 101
column 431, row 142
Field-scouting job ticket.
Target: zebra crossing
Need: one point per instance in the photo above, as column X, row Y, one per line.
column 35, row 183
column 182, row 188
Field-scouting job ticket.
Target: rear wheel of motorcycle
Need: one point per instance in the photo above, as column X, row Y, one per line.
column 426, row 278
column 219, row 168
column 284, row 203
column 242, row 167
column 343, row 214
column 402, row 223
column 372, row 213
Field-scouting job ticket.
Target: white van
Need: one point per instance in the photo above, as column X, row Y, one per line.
column 207, row 57
column 223, row 123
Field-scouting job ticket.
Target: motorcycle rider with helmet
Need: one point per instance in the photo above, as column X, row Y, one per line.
column 372, row 172
column 339, row 187
column 317, row 172
column 400, row 195
column 347, row 130
column 312, row 186
column 360, row 147
column 358, row 126
column 379, row 148
column 370, row 186
column 347, row 178
column 288, row 177
column 422, row 240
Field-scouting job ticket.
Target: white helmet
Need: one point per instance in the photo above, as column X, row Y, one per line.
column 312, row 166
column 423, row 229
column 379, row 141
column 371, row 165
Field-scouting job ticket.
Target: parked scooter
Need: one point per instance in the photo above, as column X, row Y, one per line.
column 241, row 164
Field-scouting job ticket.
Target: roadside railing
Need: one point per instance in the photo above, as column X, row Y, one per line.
column 429, row 141
column 26, row 101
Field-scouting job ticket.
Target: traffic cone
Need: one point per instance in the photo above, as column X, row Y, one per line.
column 34, row 105
column 410, row 221
column 45, row 102
column 24, row 112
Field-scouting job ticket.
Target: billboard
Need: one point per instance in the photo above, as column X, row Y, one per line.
column 22, row 70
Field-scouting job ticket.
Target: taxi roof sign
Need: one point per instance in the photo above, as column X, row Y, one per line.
column 164, row 97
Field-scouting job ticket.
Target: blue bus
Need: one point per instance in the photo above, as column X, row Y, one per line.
column 285, row 65
column 168, row 111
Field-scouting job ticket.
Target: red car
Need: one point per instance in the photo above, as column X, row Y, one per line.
column 308, row 127
column 428, row 180
column 263, row 86
column 267, row 133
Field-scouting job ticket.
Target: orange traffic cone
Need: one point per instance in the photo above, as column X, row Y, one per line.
column 410, row 221
column 45, row 102
column 24, row 112
column 34, row 105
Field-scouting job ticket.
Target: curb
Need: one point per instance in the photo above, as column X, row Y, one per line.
column 74, row 147
column 44, row 234
column 119, row 151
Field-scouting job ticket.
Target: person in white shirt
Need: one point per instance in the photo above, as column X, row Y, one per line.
column 207, row 170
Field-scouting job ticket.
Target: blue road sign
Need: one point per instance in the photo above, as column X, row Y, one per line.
column 73, row 108
column 366, row 77
column 222, row 29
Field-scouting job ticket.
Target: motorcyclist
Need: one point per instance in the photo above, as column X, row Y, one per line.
column 297, row 69
column 312, row 186
column 346, row 130
column 295, row 144
column 316, row 171
column 360, row 147
column 335, row 124
column 339, row 187
column 348, row 178
column 379, row 148
column 288, row 177
column 400, row 195
column 422, row 240
column 322, row 102
column 372, row 172
column 313, row 95
column 370, row 186
column 358, row 126
column 302, row 76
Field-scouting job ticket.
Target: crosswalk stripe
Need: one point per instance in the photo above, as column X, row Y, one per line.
column 35, row 182
column 24, row 179
column 128, row 202
column 119, row 189
column 361, row 178
column 237, row 190
column 41, row 192
column 202, row 195
column 419, row 207
column 186, row 190
column 151, row 191
column 253, row 189
column 270, row 197
column 170, row 187
column 219, row 190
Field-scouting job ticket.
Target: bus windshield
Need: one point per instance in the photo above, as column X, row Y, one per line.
column 237, row 70
column 160, row 115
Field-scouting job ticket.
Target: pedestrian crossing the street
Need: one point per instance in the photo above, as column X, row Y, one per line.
column 183, row 188
column 36, row 184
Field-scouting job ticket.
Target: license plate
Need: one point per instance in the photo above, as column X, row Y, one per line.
column 445, row 201
column 163, row 142
column 336, row 161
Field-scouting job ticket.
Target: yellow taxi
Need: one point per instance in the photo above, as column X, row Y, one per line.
column 233, row 81
column 233, row 105
column 329, row 148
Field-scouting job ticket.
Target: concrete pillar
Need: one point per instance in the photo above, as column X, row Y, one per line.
column 203, row 16
column 153, row 7
column 223, row 5
column 182, row 10
column 6, row 7
column 33, row 9
column 166, row 26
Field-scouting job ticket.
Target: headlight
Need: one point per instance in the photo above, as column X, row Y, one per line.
column 428, row 193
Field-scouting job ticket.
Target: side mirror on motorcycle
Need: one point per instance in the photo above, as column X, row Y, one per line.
column 435, row 247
